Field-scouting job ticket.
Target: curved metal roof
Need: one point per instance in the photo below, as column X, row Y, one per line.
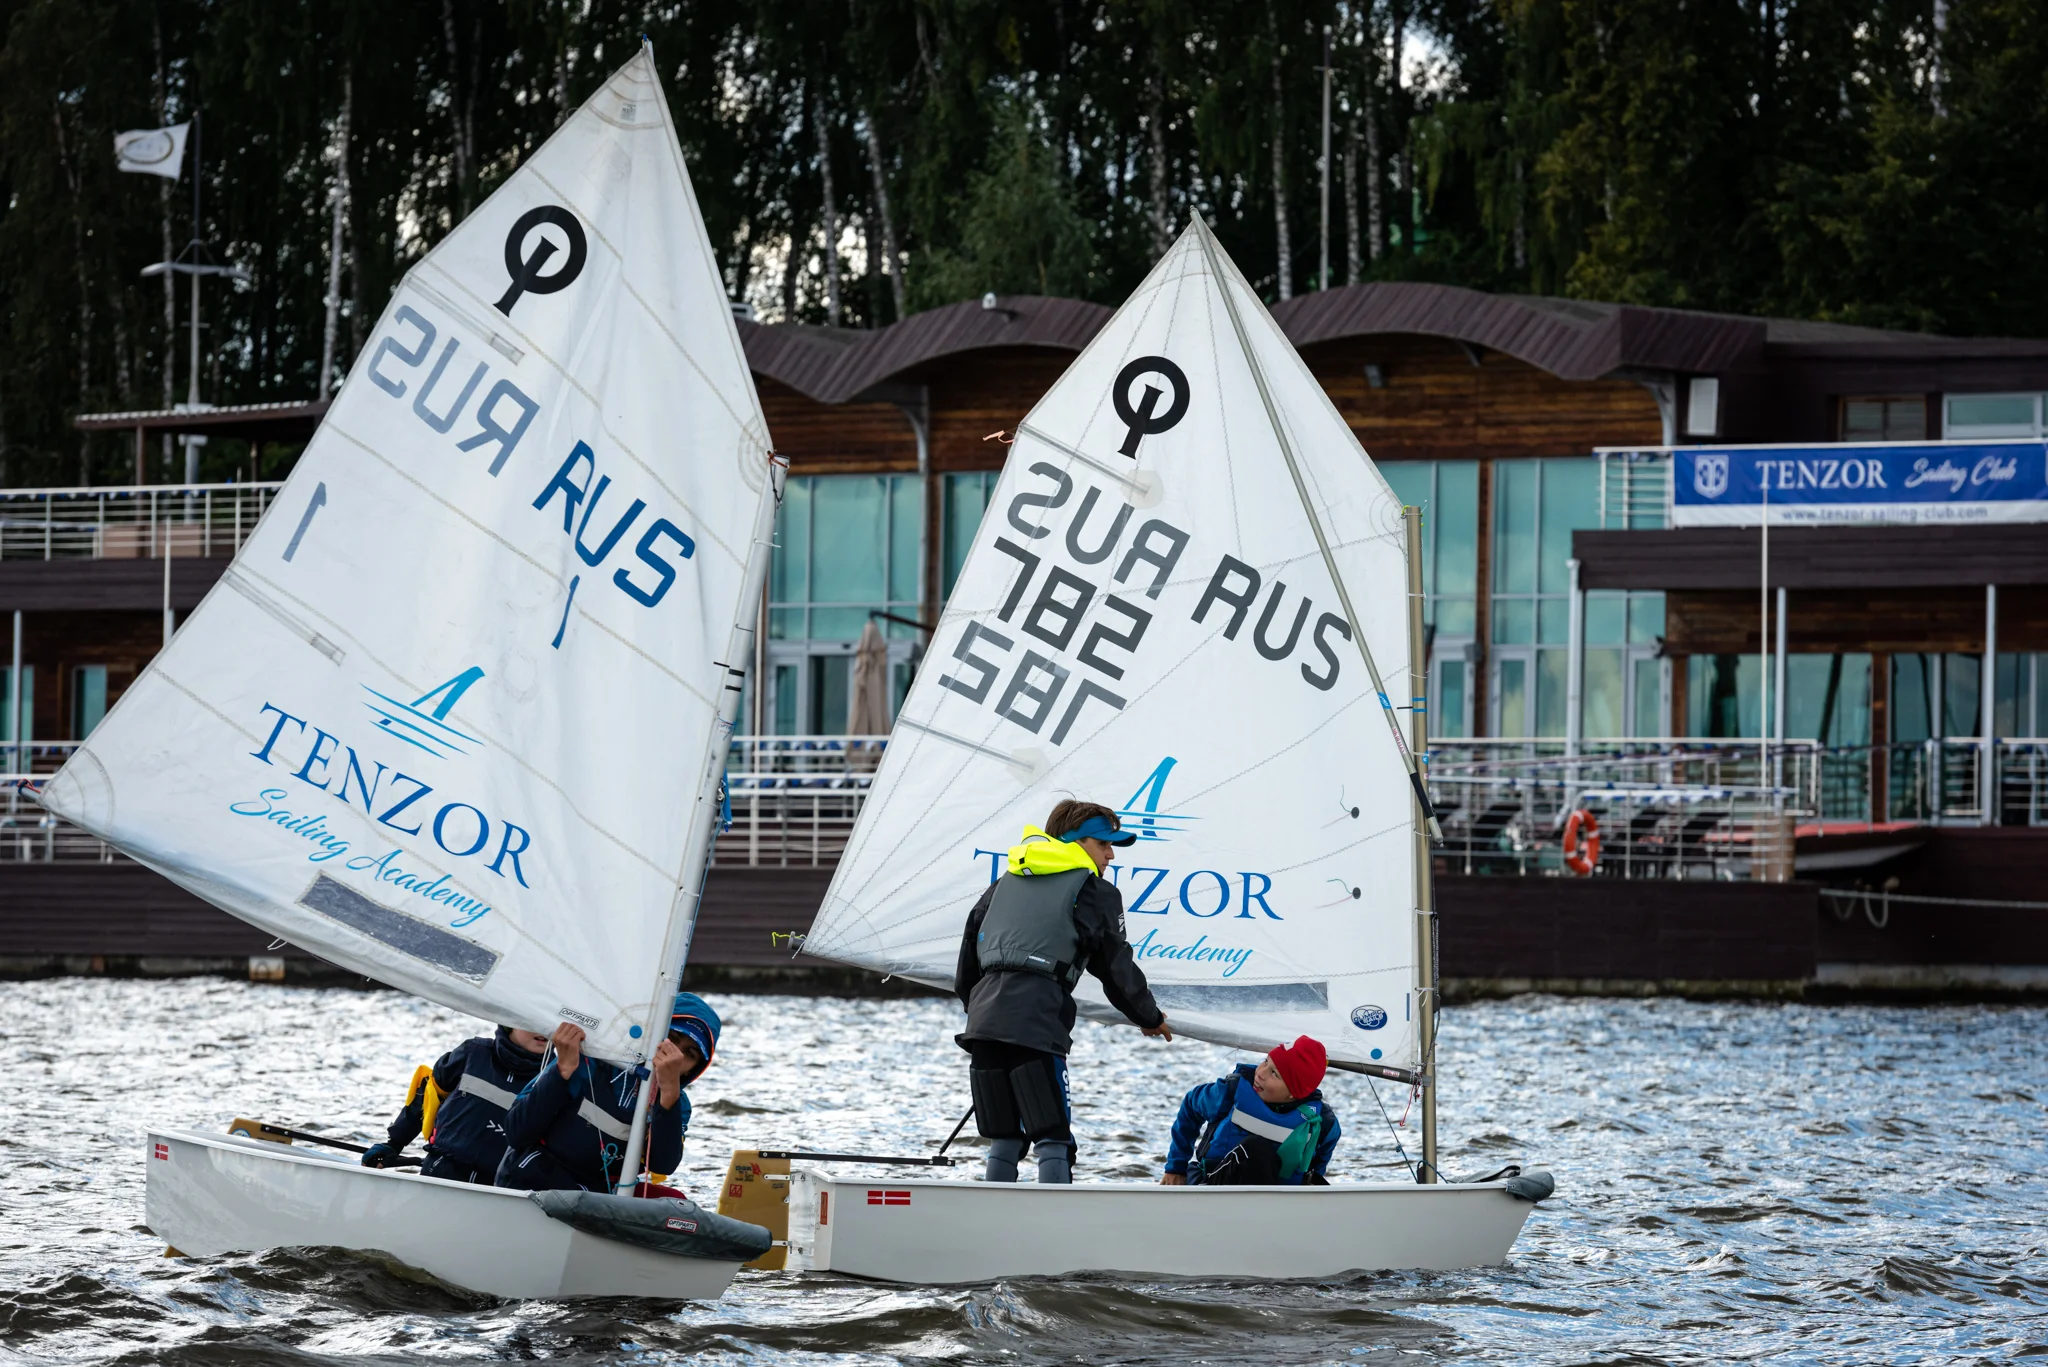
column 834, row 365
column 1572, row 339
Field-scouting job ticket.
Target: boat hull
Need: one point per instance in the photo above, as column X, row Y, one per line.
column 215, row 1194
column 958, row 1231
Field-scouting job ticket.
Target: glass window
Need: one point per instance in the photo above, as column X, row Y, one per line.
column 1723, row 697
column 1553, row 668
column 963, row 500
column 1962, row 695
column 1885, row 419
column 1992, row 415
column 846, row 546
column 1601, row 714
column 1514, row 698
column 785, row 700
column 1649, row 700
column 1827, row 698
column 1912, row 705
column 28, row 703
column 1606, row 619
column 1448, row 494
column 1447, row 718
column 1645, row 618
column 88, row 699
column 1514, row 526
column 1571, row 501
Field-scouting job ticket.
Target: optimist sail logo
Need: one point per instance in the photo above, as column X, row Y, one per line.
column 423, row 722
column 1141, row 815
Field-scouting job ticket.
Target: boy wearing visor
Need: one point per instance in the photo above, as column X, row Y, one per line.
column 1049, row 918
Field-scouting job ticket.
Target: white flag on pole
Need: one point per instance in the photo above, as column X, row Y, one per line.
column 153, row 151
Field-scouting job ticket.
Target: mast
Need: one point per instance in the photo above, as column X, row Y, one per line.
column 1425, row 895
column 739, row 653
column 682, row 921
column 1315, row 524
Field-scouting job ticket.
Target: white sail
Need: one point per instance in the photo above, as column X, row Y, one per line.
column 1146, row 620
column 446, row 718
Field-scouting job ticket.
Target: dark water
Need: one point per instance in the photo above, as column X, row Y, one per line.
column 1736, row 1183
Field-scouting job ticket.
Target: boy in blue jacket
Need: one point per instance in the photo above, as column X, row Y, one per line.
column 1257, row 1126
column 477, row 1079
column 569, row 1128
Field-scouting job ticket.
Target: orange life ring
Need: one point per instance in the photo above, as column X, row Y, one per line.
column 1580, row 858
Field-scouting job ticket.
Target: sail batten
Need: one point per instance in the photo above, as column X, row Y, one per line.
column 1158, row 615
column 447, row 719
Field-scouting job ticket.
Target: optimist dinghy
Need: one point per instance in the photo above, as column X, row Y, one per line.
column 1191, row 595
column 456, row 715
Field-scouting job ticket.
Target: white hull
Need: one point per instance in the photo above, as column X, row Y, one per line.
column 214, row 1194
column 958, row 1231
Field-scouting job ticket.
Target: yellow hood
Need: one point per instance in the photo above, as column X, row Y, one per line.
column 1040, row 853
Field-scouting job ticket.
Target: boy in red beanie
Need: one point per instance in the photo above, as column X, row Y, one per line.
column 1262, row 1126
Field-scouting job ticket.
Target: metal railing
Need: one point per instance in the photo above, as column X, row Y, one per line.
column 1666, row 809
column 1635, row 490
column 129, row 523
column 794, row 799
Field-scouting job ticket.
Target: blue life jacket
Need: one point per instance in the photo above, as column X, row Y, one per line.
column 469, row 1126
column 1251, row 1121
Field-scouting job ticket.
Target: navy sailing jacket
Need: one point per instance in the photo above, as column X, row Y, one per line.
column 572, row 1132
column 1207, row 1126
column 478, row 1079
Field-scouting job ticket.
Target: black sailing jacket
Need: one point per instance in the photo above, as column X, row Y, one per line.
column 1035, row 1010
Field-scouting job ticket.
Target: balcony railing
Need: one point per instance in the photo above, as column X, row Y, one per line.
column 1682, row 809
column 128, row 523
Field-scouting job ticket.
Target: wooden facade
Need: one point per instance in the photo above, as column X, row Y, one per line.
column 1443, row 400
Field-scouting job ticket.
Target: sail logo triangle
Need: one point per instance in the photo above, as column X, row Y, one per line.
column 424, row 730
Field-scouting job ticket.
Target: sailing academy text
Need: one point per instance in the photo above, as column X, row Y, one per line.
column 391, row 800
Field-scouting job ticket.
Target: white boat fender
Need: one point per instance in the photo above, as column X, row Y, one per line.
column 1531, row 1186
column 667, row 1224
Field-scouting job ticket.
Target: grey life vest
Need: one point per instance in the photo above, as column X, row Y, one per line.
column 1029, row 927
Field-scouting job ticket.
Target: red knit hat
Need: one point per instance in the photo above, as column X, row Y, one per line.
column 1301, row 1065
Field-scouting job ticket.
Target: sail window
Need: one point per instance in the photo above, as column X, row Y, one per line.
column 407, row 934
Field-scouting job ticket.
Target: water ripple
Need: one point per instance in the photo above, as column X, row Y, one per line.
column 1737, row 1183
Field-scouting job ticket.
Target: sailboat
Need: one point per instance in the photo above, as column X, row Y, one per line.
column 456, row 715
column 1189, row 599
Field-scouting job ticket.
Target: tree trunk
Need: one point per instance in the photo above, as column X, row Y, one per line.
column 890, row 247
column 338, row 207
column 461, row 112
column 1375, row 176
column 71, row 180
column 1284, row 243
column 831, row 212
column 1162, row 218
column 1397, row 112
column 789, row 265
column 1521, row 220
column 1354, row 262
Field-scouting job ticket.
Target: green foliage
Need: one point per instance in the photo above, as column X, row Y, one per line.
column 1873, row 161
column 1020, row 232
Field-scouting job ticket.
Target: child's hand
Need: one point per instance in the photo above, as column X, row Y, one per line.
column 568, row 1042
column 1161, row 1030
column 668, row 1065
column 1174, row 1179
